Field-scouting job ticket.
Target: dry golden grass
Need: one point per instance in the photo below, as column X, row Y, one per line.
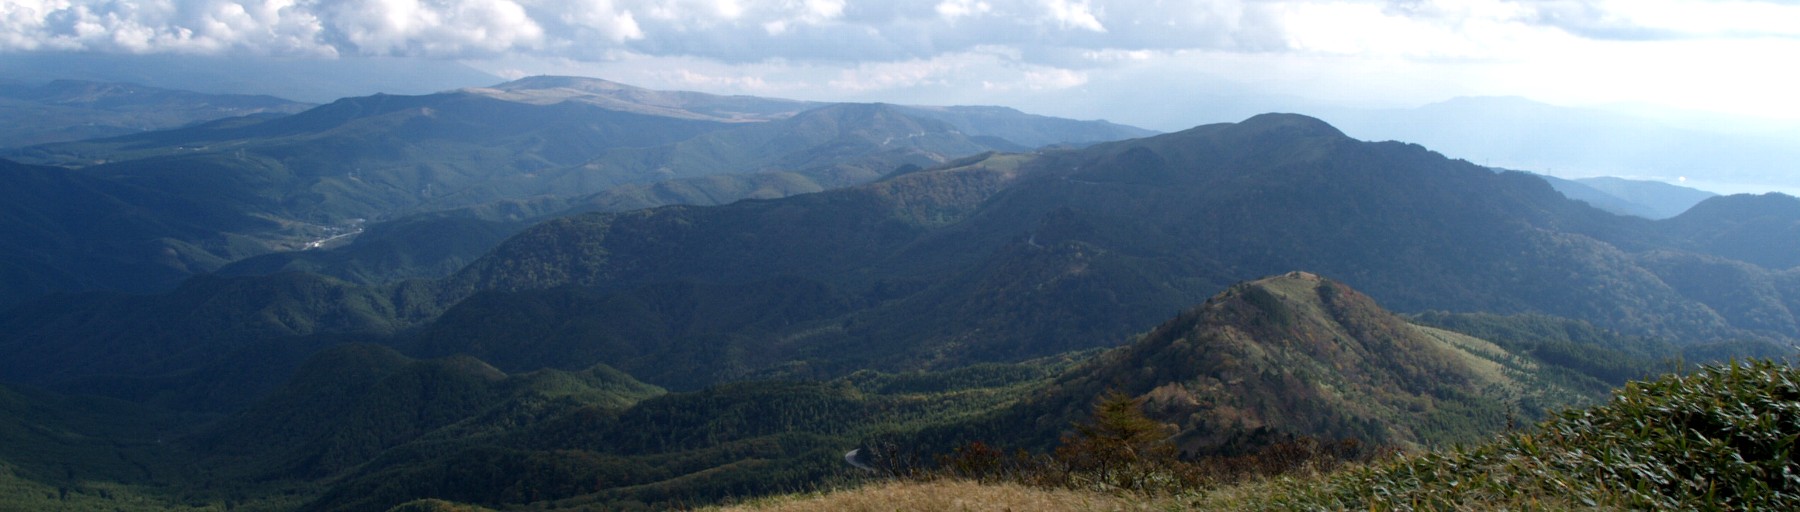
column 951, row 495
column 965, row 495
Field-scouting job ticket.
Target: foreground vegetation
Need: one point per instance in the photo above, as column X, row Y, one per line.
column 1719, row 438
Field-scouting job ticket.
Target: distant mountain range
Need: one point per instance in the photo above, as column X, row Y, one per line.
column 1648, row 199
column 246, row 186
column 69, row 110
column 302, row 79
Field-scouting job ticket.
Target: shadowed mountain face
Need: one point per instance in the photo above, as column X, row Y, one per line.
column 71, row 231
column 349, row 403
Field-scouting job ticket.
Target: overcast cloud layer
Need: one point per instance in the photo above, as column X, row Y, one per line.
column 1731, row 55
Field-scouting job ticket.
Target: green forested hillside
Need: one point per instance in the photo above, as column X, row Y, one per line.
column 81, row 453
column 373, row 429
column 213, row 344
column 70, row 231
column 352, row 402
column 344, row 407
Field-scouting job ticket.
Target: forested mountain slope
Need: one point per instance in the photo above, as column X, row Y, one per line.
column 1023, row 255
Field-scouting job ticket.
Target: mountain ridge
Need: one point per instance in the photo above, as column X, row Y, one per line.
column 68, row 110
column 1115, row 225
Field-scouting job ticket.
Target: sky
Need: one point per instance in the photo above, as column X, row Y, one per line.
column 1135, row 61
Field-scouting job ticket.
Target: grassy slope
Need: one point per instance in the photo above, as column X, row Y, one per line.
column 948, row 495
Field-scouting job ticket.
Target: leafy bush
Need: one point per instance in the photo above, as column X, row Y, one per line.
column 1720, row 438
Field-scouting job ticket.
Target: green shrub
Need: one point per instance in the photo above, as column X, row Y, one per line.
column 1719, row 438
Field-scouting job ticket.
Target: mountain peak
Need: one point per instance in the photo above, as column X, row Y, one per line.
column 1304, row 355
column 1296, row 124
column 549, row 82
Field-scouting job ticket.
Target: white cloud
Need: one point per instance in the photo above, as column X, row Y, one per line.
column 216, row 26
column 415, row 28
column 950, row 10
column 605, row 21
column 687, row 79
column 1071, row 14
column 1040, row 79
column 1664, row 19
column 1720, row 54
column 862, row 30
column 1432, row 29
